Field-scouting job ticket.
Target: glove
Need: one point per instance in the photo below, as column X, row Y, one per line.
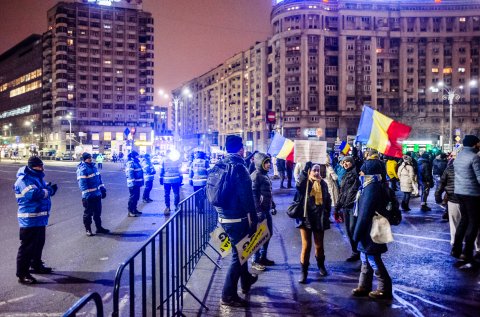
column 338, row 216
column 52, row 188
column 191, row 182
column 273, row 211
column 161, row 180
column 438, row 199
column 104, row 192
column 252, row 229
column 84, row 203
column 308, row 167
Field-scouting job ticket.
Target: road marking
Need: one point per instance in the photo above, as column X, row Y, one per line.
column 411, row 224
column 416, row 246
column 409, row 306
column 420, row 237
column 32, row 314
column 311, row 290
column 15, row 299
column 123, row 303
column 426, row 300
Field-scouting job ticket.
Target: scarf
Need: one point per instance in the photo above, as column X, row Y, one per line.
column 365, row 180
column 316, row 191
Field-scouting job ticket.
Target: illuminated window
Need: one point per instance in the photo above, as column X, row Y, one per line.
column 462, row 19
column 143, row 48
column 143, row 136
column 107, row 26
column 70, row 42
column 107, row 136
column 25, row 88
column 461, row 70
column 447, row 70
column 70, row 96
column 118, row 136
column 96, row 136
column 142, row 91
column 108, row 62
column 435, row 70
column 71, row 87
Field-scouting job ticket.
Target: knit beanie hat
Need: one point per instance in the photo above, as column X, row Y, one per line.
column 349, row 159
column 470, row 140
column 34, row 161
column 233, row 144
column 86, row 156
column 133, row 154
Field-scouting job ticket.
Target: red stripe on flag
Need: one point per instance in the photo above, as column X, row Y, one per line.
column 396, row 131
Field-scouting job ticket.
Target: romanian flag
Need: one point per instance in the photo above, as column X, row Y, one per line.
column 381, row 133
column 280, row 147
column 344, row 147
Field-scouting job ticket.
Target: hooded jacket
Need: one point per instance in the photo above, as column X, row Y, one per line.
column 467, row 172
column 447, row 184
column 348, row 189
column 198, row 170
column 33, row 198
column 89, row 180
column 261, row 185
column 148, row 170
column 134, row 172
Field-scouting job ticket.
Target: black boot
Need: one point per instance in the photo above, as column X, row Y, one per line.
column 321, row 265
column 303, row 276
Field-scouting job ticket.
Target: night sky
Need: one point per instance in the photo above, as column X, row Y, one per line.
column 191, row 36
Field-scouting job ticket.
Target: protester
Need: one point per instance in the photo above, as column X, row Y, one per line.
column 408, row 183
column 134, row 173
column 467, row 190
column 93, row 191
column 371, row 199
column 264, row 205
column 313, row 192
column 198, row 178
column 33, row 196
column 238, row 218
column 171, row 178
column 331, row 179
column 348, row 192
column 425, row 179
column 290, row 166
column 281, row 168
column 392, row 166
column 339, row 170
column 439, row 165
column 99, row 159
column 148, row 175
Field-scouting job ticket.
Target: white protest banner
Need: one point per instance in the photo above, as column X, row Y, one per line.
column 249, row 246
column 310, row 151
column 220, row 241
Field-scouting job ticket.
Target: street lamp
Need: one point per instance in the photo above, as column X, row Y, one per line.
column 68, row 117
column 9, row 128
column 451, row 94
column 29, row 123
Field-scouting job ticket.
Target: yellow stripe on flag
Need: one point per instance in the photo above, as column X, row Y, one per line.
column 378, row 136
column 286, row 149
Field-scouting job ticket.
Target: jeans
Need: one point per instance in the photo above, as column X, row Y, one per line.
column 350, row 223
column 236, row 271
column 406, row 198
column 134, row 197
column 393, row 183
column 29, row 253
column 424, row 193
column 261, row 254
column 148, row 189
column 93, row 208
column 374, row 264
column 469, row 224
column 176, row 193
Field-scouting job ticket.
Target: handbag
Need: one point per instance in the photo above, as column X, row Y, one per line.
column 381, row 232
column 295, row 210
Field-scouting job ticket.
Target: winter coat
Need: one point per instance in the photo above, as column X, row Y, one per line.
column 134, row 173
column 148, row 170
column 33, row 198
column 340, row 171
column 371, row 200
column 240, row 203
column 198, row 172
column 89, row 180
column 425, row 172
column 317, row 215
column 170, row 171
column 99, row 159
column 331, row 179
column 407, row 178
column 281, row 165
column 447, row 184
column 374, row 164
column 439, row 166
column 261, row 186
column 348, row 189
column 392, row 166
column 467, row 172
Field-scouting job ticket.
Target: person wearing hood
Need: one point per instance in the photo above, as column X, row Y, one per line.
column 33, row 196
column 149, row 175
column 425, row 179
column 264, row 204
column 134, row 173
column 93, row 191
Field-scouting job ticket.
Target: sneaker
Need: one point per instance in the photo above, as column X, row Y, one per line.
column 137, row 212
column 149, row 200
column 380, row 295
column 425, row 208
column 27, row 280
column 235, row 302
column 353, row 258
column 145, row 201
column 132, row 214
column 167, row 211
column 102, row 230
column 258, row 266
column 360, row 292
column 89, row 233
column 41, row 269
column 266, row 262
column 253, row 280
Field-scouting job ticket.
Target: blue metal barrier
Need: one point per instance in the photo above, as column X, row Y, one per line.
column 84, row 301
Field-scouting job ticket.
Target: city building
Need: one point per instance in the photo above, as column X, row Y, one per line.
column 327, row 58
column 98, row 76
column 21, row 96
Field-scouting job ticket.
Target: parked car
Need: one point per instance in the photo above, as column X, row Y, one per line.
column 156, row 159
column 65, row 157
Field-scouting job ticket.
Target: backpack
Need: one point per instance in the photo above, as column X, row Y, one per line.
column 392, row 208
column 218, row 181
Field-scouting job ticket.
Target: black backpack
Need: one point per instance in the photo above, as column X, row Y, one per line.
column 218, row 182
column 392, row 208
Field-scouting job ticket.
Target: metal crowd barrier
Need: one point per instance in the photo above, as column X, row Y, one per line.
column 72, row 312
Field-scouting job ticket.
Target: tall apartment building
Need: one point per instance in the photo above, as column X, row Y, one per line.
column 98, row 72
column 21, row 95
column 327, row 58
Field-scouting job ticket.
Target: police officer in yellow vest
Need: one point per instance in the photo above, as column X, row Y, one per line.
column 171, row 178
column 198, row 178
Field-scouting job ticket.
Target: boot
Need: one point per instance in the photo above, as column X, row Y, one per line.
column 321, row 265
column 303, row 276
column 405, row 206
column 425, row 208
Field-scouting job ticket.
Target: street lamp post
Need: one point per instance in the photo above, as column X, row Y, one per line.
column 68, row 117
column 29, row 123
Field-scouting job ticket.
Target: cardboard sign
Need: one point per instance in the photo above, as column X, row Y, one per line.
column 221, row 242
column 249, row 246
column 310, row 151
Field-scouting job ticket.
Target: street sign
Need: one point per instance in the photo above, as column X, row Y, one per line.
column 271, row 117
column 457, row 138
column 132, row 131
column 126, row 131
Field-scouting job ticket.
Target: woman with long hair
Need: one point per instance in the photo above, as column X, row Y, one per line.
column 312, row 192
